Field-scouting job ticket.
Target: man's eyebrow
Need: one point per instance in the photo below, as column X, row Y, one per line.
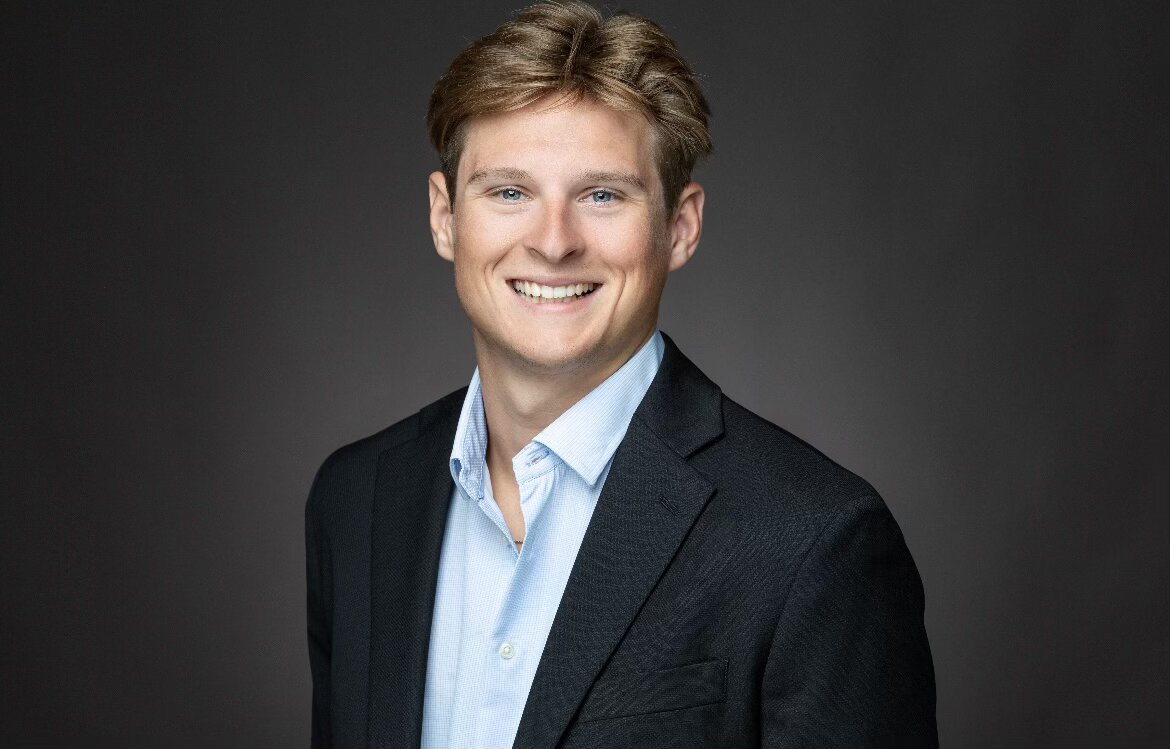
column 512, row 174
column 628, row 178
column 504, row 172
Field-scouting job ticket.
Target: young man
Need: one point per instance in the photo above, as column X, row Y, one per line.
column 590, row 545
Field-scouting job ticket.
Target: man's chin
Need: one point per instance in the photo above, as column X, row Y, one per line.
column 548, row 358
column 552, row 362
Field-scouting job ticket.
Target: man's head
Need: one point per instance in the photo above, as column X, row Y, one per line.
column 569, row 49
column 569, row 142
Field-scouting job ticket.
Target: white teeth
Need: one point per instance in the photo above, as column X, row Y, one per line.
column 540, row 293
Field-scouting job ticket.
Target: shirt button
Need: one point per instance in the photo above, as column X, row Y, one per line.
column 507, row 651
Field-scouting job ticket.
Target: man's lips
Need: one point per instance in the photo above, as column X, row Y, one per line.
column 564, row 291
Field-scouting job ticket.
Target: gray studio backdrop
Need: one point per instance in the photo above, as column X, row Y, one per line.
column 935, row 248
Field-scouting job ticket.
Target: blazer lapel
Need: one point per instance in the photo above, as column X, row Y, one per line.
column 412, row 496
column 651, row 498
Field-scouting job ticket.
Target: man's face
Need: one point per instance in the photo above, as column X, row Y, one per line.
column 559, row 236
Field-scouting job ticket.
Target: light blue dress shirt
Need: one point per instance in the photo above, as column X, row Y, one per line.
column 494, row 605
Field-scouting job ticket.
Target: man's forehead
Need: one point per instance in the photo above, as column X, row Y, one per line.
column 584, row 139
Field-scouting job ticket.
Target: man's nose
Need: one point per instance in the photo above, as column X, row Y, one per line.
column 555, row 235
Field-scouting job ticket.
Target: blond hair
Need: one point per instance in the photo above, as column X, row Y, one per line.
column 626, row 62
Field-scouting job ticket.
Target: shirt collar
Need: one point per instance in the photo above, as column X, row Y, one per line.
column 470, row 447
column 584, row 437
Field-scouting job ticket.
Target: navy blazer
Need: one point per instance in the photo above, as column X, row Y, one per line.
column 734, row 588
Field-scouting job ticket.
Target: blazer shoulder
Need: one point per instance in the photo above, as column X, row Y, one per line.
column 355, row 464
column 784, row 464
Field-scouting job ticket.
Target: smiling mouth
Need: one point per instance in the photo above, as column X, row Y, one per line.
column 539, row 293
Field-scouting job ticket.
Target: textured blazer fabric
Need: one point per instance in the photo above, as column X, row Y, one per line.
column 735, row 588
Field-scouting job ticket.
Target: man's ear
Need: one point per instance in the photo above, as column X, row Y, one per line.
column 442, row 217
column 686, row 225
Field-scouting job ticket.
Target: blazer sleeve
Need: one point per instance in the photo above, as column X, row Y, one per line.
column 319, row 608
column 849, row 663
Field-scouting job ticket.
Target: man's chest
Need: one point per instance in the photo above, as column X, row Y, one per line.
column 495, row 604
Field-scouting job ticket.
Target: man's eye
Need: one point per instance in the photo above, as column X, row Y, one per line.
column 510, row 194
column 602, row 196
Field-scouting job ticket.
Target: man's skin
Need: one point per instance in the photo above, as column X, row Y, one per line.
column 556, row 193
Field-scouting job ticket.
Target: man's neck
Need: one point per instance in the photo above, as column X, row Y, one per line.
column 519, row 402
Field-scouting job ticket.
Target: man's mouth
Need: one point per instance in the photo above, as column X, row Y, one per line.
column 535, row 292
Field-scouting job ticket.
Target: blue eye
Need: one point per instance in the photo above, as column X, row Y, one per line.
column 602, row 196
column 510, row 194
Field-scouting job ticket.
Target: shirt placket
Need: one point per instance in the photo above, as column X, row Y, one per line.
column 507, row 652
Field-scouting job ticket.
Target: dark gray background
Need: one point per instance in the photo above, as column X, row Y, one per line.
column 935, row 247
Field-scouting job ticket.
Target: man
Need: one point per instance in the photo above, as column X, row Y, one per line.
column 590, row 545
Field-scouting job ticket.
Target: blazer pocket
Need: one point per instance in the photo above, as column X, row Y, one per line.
column 638, row 693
